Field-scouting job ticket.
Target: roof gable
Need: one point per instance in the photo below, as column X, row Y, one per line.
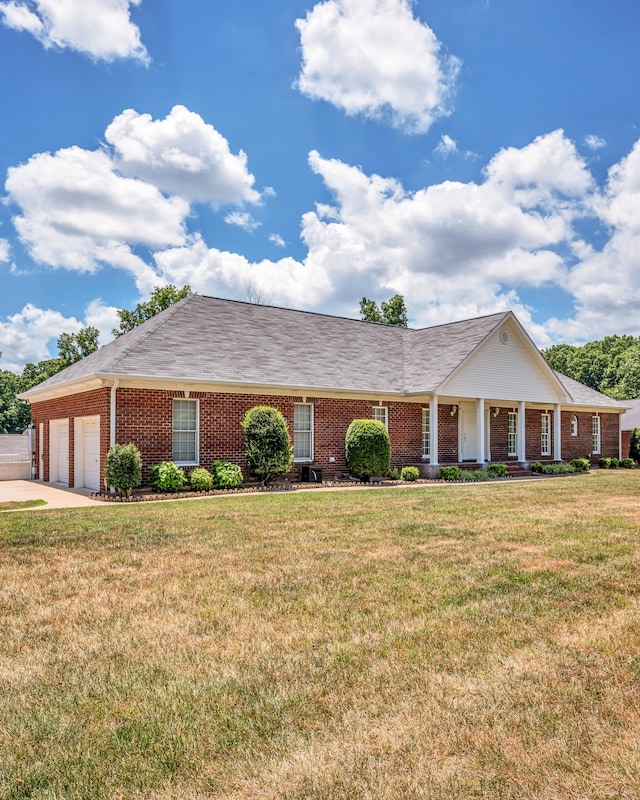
column 506, row 365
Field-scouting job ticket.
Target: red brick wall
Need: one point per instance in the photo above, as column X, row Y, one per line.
column 145, row 418
column 626, row 441
column 85, row 404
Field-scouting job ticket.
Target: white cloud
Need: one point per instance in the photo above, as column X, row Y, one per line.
column 4, row 250
column 104, row 318
column 24, row 336
column 373, row 57
column 77, row 211
column 242, row 220
column 277, row 240
column 594, row 142
column 210, row 271
column 80, row 208
column 102, row 29
column 446, row 146
column 183, row 155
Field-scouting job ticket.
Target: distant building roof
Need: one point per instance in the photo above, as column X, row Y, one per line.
column 631, row 418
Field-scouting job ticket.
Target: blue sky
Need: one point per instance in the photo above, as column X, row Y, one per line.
column 472, row 155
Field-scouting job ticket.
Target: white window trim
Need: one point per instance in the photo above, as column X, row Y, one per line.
column 596, row 436
column 545, row 448
column 299, row 459
column 426, row 433
column 197, row 432
column 377, row 409
column 512, row 435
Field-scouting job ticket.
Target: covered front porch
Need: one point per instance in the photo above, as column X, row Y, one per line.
column 476, row 431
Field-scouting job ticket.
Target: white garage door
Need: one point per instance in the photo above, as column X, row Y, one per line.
column 91, row 453
column 59, row 451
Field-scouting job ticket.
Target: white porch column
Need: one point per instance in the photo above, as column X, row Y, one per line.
column 557, row 433
column 433, row 431
column 522, row 433
column 112, row 415
column 480, row 432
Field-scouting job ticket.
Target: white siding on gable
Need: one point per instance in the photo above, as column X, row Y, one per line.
column 504, row 368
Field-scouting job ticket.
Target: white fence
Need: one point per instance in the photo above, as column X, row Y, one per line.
column 16, row 456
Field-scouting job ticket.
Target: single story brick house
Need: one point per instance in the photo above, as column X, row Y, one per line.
column 179, row 385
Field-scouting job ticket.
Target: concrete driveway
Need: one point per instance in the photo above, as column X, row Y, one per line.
column 54, row 494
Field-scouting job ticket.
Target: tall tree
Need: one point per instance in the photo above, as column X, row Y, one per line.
column 393, row 312
column 161, row 297
column 610, row 365
column 74, row 346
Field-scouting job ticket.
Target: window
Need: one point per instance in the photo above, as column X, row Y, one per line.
column 512, row 434
column 545, row 437
column 303, row 432
column 574, row 425
column 380, row 413
column 426, row 433
column 595, row 434
column 185, row 432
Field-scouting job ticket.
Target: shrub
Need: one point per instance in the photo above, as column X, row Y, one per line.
column 627, row 463
column 634, row 445
column 452, row 473
column 367, row 448
column 614, row 463
column 581, row 464
column 535, row 466
column 227, row 475
column 267, row 443
column 167, row 477
column 393, row 474
column 558, row 469
column 200, row 479
column 604, row 463
column 410, row 474
column 123, row 468
column 497, row 471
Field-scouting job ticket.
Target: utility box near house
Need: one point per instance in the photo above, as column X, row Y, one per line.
column 310, row 475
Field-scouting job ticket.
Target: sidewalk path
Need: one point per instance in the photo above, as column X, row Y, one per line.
column 54, row 494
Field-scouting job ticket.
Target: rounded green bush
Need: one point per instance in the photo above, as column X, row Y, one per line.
column 167, row 477
column 227, row 475
column 604, row 463
column 497, row 471
column 614, row 463
column 452, row 473
column 200, row 479
column 409, row 474
column 123, row 468
column 367, row 448
column 267, row 443
column 628, row 463
column 581, row 464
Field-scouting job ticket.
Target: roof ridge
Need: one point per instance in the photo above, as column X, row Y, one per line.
column 150, row 329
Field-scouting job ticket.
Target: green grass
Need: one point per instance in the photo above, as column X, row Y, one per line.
column 14, row 505
column 466, row 641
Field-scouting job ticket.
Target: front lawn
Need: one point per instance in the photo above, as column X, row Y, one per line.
column 467, row 641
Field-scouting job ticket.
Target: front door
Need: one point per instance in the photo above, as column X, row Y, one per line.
column 468, row 432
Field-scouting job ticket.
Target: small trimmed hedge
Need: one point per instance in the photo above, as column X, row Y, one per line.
column 627, row 463
column 497, row 471
column 123, row 468
column 227, row 475
column 604, row 463
column 367, row 448
column 167, row 477
column 565, row 468
column 200, row 479
column 409, row 474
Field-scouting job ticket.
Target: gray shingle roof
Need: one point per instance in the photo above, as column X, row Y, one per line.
column 583, row 395
column 631, row 418
column 224, row 341
column 209, row 340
